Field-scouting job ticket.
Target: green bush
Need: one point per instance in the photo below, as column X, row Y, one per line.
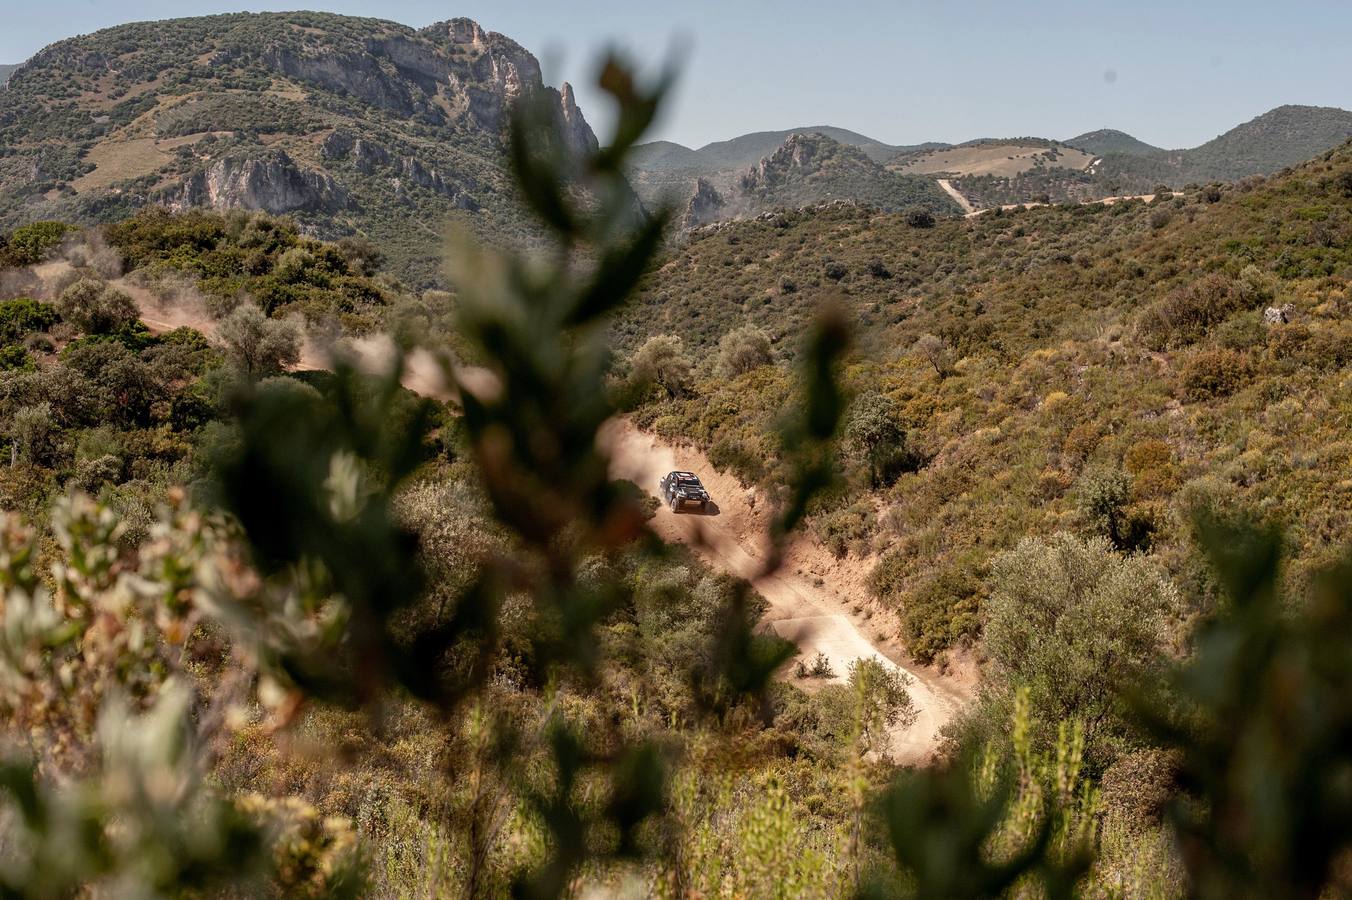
column 847, row 530
column 31, row 244
column 1069, row 620
column 1210, row 374
column 22, row 316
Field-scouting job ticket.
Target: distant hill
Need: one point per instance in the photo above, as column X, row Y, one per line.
column 665, row 171
column 993, row 157
column 349, row 125
column 666, row 156
column 812, row 168
column 1108, row 140
column 1283, row 137
column 6, row 70
column 749, row 149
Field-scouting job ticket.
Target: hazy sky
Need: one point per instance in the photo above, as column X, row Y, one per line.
column 1172, row 72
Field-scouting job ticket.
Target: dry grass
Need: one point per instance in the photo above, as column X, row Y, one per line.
column 1004, row 160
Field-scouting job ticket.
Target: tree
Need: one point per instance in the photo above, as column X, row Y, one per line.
column 919, row 218
column 742, row 350
column 662, row 361
column 96, row 308
column 1103, row 496
column 257, row 346
column 936, row 352
column 1069, row 620
column 874, row 435
column 32, row 435
column 882, row 702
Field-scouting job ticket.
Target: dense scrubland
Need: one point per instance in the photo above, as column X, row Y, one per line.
column 307, row 634
column 1100, row 369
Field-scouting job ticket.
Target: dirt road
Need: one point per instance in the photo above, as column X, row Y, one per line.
column 967, row 207
column 812, row 615
column 804, row 609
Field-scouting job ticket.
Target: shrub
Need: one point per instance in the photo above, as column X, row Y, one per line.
column 1186, row 313
column 919, row 218
column 31, row 244
column 834, row 270
column 741, row 351
column 842, row 530
column 1214, row 373
column 23, row 316
column 96, row 308
column 1068, row 620
column 945, row 611
column 1151, row 464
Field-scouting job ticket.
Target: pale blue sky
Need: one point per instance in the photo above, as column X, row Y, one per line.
column 1172, row 72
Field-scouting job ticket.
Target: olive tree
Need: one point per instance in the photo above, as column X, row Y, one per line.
column 95, row 307
column 874, row 435
column 742, row 350
column 936, row 353
column 257, row 346
column 662, row 360
column 1068, row 619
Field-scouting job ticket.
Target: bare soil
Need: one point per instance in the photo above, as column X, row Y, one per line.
column 822, row 613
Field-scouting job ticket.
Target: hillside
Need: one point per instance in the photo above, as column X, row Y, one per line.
column 663, row 170
column 1108, row 140
column 1285, row 136
column 7, row 70
column 1282, row 137
column 810, row 169
column 1186, row 350
column 353, row 126
column 993, row 157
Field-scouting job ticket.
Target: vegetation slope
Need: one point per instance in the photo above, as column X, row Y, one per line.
column 352, row 126
column 1102, row 369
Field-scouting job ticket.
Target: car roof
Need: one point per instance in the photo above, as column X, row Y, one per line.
column 682, row 475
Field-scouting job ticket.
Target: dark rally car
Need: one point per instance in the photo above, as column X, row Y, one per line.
column 682, row 489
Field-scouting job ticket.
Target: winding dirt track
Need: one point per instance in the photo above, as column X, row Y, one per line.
column 967, row 207
column 812, row 615
column 810, row 612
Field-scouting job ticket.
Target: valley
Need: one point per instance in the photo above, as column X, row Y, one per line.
column 342, row 367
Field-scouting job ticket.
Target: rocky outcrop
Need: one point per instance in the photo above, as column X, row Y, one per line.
column 366, row 155
column 577, row 134
column 356, row 74
column 271, row 182
column 799, row 153
column 706, row 205
column 451, row 71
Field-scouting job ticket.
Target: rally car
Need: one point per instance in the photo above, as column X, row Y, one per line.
column 683, row 489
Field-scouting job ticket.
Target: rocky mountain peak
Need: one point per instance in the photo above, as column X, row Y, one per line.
column 575, row 128
column 706, row 205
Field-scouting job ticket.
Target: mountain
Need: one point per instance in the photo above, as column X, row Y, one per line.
column 748, row 149
column 351, row 125
column 1283, row 137
column 663, row 171
column 808, row 169
column 1108, row 140
column 1140, row 338
column 7, row 70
